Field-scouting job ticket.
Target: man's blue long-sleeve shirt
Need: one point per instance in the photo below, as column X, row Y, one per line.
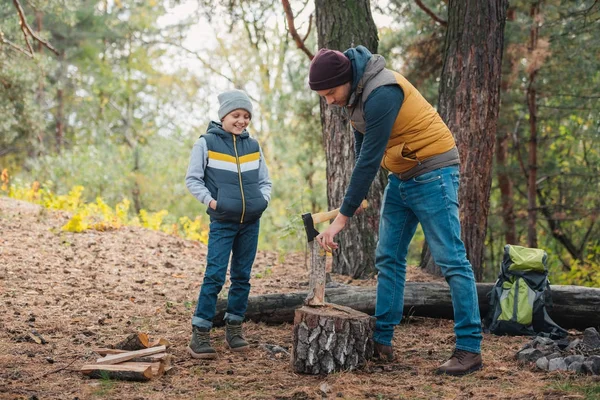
column 381, row 110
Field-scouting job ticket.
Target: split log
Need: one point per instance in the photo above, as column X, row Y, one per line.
column 130, row 355
column 161, row 342
column 134, row 341
column 136, row 372
column 316, row 292
column 157, row 367
column 331, row 338
column 575, row 307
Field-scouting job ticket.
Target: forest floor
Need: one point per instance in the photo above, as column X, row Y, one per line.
column 82, row 291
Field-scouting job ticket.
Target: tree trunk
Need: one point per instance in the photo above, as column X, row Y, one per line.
column 532, row 106
column 575, row 307
column 344, row 24
column 60, row 105
column 331, row 338
column 506, row 189
column 469, row 101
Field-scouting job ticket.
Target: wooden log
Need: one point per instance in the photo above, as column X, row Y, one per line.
column 331, row 338
column 575, row 307
column 316, row 283
column 134, row 341
column 157, row 367
column 121, row 372
column 119, row 358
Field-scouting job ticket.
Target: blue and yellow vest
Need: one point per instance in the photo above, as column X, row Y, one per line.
column 231, row 175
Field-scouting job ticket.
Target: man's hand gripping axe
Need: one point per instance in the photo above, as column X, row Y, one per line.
column 316, row 292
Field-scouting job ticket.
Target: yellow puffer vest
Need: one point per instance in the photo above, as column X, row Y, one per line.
column 418, row 133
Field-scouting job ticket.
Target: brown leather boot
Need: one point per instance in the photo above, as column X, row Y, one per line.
column 384, row 353
column 461, row 363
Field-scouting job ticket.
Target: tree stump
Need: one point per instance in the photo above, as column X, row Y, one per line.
column 331, row 338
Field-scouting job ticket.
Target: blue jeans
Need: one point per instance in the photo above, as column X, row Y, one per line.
column 432, row 200
column 227, row 239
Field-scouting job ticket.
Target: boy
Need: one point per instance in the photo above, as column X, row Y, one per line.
column 227, row 173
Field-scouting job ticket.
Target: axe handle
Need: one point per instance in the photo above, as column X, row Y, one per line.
column 327, row 215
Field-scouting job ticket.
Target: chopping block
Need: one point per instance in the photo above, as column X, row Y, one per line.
column 327, row 337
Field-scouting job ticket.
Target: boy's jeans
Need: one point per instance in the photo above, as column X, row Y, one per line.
column 225, row 239
column 432, row 200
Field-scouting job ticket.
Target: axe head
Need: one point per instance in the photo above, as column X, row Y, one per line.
column 309, row 227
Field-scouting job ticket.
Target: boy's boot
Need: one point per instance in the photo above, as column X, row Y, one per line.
column 234, row 336
column 200, row 344
column 461, row 363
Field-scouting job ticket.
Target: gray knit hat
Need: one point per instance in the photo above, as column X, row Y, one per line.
column 232, row 100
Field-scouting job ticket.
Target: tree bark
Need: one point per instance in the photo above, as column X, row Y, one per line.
column 575, row 307
column 340, row 25
column 506, row 189
column 469, row 101
column 532, row 106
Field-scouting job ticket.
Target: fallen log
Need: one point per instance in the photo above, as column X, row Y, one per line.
column 575, row 307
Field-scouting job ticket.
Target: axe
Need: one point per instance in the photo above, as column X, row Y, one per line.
column 316, row 292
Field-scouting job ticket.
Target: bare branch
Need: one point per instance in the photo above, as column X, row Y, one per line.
column 291, row 27
column 310, row 18
column 3, row 40
column 431, row 13
column 27, row 30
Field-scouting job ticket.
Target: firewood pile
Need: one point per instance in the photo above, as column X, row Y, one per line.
column 133, row 359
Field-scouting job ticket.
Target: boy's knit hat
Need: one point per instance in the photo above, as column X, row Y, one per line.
column 328, row 69
column 233, row 100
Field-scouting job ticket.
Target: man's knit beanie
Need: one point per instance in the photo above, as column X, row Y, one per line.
column 233, row 100
column 328, row 69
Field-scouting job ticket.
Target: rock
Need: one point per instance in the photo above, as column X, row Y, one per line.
column 591, row 339
column 595, row 360
column 553, row 356
column 576, row 366
column 575, row 358
column 563, row 343
column 542, row 363
column 530, row 355
column 557, row 364
column 587, row 367
column 573, row 345
column 548, row 349
column 543, row 341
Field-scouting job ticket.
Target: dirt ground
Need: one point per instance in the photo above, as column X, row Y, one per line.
column 89, row 290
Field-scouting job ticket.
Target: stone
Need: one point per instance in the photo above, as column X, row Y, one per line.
column 576, row 366
column 595, row 360
column 543, row 341
column 587, row 367
column 530, row 355
column 548, row 348
column 557, row 364
column 591, row 339
column 542, row 363
column 574, row 358
column 553, row 356
column 573, row 345
column 563, row 343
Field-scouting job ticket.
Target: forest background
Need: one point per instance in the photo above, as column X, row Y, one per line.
column 100, row 115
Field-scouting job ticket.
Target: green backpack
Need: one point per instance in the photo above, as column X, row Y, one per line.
column 519, row 299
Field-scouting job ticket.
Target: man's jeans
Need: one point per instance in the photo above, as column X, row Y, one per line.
column 432, row 200
column 225, row 239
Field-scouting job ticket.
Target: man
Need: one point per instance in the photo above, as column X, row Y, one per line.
column 395, row 127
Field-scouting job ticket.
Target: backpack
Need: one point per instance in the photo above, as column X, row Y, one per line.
column 519, row 299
